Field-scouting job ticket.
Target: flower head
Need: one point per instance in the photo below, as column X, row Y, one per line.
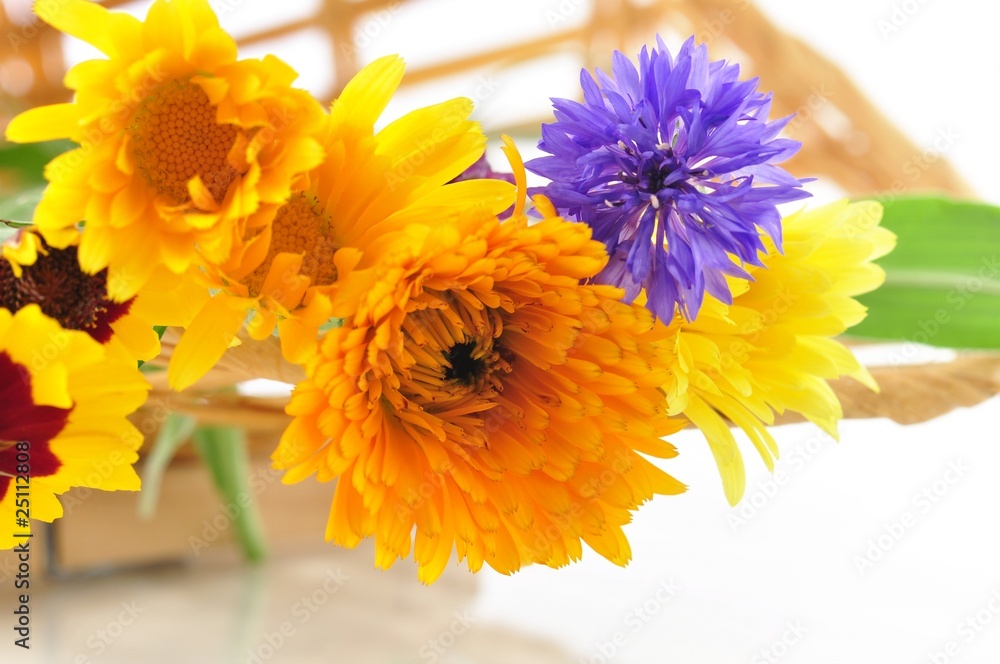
column 479, row 398
column 666, row 163
column 33, row 273
column 369, row 182
column 182, row 146
column 63, row 422
column 773, row 349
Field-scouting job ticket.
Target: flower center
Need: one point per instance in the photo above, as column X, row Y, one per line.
column 64, row 292
column 300, row 228
column 175, row 137
column 456, row 350
column 466, row 365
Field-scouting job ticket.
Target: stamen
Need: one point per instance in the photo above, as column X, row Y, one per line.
column 64, row 292
column 176, row 137
column 299, row 228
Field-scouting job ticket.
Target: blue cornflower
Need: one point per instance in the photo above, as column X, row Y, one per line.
column 666, row 163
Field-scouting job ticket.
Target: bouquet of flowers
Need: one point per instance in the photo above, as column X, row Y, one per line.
column 488, row 370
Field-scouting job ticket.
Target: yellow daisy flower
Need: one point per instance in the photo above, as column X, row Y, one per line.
column 369, row 182
column 63, row 424
column 480, row 399
column 182, row 146
column 31, row 272
column 773, row 349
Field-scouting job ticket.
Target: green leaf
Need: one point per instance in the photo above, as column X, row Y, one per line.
column 942, row 282
column 176, row 431
column 27, row 161
column 21, row 207
column 7, row 231
column 224, row 451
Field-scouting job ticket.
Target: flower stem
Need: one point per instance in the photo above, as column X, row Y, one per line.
column 224, row 451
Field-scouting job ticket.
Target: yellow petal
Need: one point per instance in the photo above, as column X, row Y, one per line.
column 110, row 32
column 44, row 123
column 139, row 338
column 367, row 94
column 206, row 340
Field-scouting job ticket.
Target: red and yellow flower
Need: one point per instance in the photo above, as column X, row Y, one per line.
column 63, row 424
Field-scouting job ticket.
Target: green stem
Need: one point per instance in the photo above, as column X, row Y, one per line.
column 224, row 451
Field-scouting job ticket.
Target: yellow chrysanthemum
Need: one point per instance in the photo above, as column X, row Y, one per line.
column 63, row 422
column 368, row 183
column 182, row 146
column 33, row 273
column 773, row 349
column 479, row 398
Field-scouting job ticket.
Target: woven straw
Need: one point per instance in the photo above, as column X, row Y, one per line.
column 846, row 140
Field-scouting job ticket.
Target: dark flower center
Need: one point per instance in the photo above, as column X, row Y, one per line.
column 465, row 368
column 651, row 172
column 64, row 292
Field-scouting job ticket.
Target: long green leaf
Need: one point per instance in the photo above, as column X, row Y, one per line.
column 224, row 451
column 942, row 282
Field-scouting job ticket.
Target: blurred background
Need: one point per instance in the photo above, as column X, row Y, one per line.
column 880, row 548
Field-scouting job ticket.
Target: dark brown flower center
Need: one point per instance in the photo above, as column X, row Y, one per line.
column 64, row 292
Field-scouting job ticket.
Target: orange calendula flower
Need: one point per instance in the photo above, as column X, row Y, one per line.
column 773, row 350
column 480, row 399
column 31, row 272
column 182, row 146
column 63, row 422
column 369, row 182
